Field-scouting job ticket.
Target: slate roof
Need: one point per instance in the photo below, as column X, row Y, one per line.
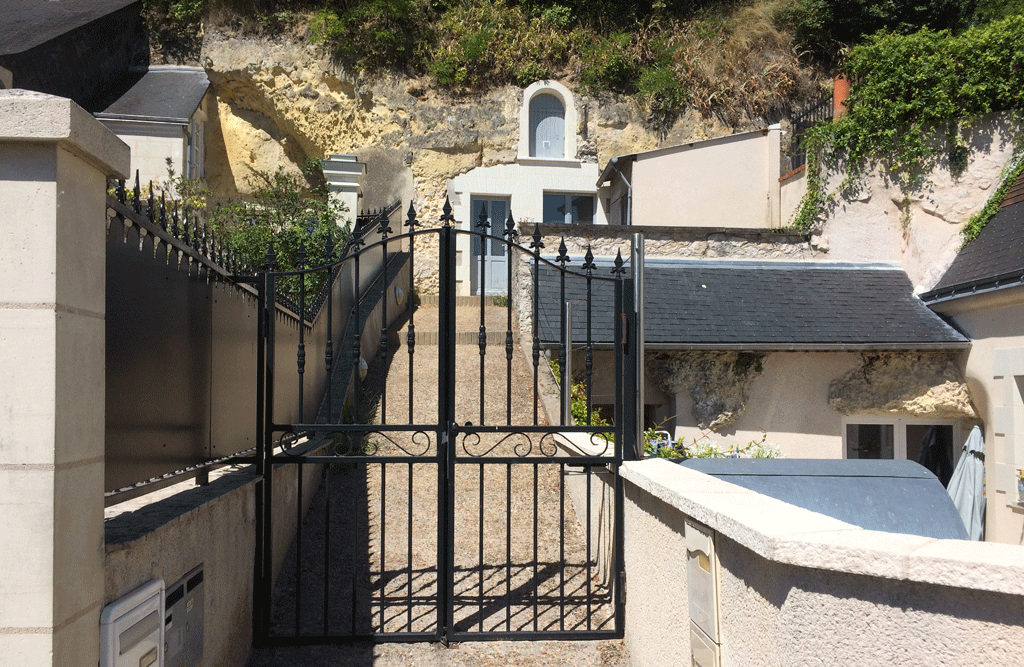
column 994, row 260
column 720, row 304
column 163, row 93
column 28, row 23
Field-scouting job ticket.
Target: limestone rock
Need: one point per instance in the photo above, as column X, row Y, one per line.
column 718, row 382
column 914, row 384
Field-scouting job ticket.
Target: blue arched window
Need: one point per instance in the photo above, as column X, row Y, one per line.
column 547, row 127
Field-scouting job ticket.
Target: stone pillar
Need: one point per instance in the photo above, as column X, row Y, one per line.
column 344, row 174
column 54, row 160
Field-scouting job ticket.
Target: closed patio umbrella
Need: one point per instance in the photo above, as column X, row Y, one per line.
column 967, row 486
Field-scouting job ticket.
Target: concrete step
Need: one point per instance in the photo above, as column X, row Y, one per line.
column 461, row 338
column 464, row 301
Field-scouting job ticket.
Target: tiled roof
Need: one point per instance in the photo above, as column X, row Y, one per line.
column 993, row 260
column 719, row 304
column 169, row 93
column 28, row 23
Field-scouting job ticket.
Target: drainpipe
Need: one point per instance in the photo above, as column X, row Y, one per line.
column 629, row 194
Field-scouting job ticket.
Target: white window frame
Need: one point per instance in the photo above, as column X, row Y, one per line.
column 899, row 424
column 571, row 121
column 568, row 193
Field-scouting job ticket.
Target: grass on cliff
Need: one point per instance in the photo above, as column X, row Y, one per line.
column 734, row 58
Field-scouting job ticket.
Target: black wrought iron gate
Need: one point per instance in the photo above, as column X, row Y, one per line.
column 456, row 512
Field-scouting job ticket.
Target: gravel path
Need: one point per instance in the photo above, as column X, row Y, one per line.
column 384, row 537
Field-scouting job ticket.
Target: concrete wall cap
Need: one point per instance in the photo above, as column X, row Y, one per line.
column 792, row 535
column 37, row 117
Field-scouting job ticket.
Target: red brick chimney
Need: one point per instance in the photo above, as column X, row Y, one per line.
column 840, row 91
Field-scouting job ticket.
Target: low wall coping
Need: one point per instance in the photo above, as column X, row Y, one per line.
column 37, row 117
column 787, row 534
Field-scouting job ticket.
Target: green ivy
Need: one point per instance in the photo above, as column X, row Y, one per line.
column 981, row 218
column 908, row 90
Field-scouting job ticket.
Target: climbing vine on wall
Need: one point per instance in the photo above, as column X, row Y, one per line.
column 907, row 91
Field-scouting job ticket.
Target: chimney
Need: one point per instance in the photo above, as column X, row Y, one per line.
column 840, row 91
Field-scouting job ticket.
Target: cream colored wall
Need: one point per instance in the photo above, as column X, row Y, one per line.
column 726, row 182
column 789, row 400
column 792, row 191
column 151, row 144
column 797, row 587
column 54, row 161
column 994, row 369
column 524, row 186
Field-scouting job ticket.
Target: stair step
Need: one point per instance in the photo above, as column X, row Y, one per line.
column 461, row 338
column 465, row 301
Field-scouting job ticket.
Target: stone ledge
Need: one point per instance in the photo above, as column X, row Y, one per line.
column 792, row 535
column 37, row 117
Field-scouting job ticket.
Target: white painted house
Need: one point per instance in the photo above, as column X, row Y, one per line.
column 548, row 183
column 163, row 116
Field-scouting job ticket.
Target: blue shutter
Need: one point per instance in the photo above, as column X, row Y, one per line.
column 547, row 127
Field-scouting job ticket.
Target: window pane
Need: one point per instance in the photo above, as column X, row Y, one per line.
column 498, row 213
column 547, row 127
column 582, row 209
column 554, row 209
column 869, row 441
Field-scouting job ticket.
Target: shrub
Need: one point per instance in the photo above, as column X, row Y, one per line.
column 907, row 89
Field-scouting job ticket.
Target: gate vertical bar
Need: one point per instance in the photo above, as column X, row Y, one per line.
column 621, row 331
column 637, row 266
column 259, row 612
column 446, row 430
column 268, row 316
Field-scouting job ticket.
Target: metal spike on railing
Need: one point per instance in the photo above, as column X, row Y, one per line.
column 536, row 244
column 119, row 191
column 185, row 224
column 163, row 212
column 207, row 241
column 174, row 221
column 271, row 259
column 481, row 220
column 446, row 217
column 151, row 213
column 300, row 256
column 137, row 203
column 588, row 262
column 563, row 255
column 329, row 254
column 411, row 221
column 619, row 269
column 510, row 227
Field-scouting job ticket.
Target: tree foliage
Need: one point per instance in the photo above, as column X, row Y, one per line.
column 910, row 89
column 290, row 213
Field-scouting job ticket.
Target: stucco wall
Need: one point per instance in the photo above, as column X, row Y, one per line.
column 797, row 587
column 729, row 182
column 212, row 525
column 920, row 230
column 995, row 324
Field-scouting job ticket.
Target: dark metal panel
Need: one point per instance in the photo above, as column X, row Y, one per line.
column 158, row 332
column 233, row 364
column 891, row 496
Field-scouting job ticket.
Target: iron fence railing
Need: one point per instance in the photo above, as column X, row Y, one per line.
column 819, row 112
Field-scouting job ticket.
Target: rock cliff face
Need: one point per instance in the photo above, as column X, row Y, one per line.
column 280, row 102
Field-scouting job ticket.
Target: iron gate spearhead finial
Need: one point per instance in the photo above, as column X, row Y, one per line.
column 510, row 227
column 411, row 221
column 537, row 244
column 447, row 218
column 619, row 269
column 481, row 220
column 588, row 261
column 563, row 254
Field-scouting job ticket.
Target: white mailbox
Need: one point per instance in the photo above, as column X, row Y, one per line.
column 132, row 629
column 702, row 590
